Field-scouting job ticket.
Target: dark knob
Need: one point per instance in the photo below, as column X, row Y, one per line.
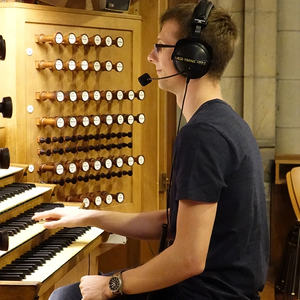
column 46, row 140
column 3, row 240
column 4, row 158
column 6, row 107
column 2, row 48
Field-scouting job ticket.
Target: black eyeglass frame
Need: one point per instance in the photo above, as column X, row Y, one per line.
column 157, row 47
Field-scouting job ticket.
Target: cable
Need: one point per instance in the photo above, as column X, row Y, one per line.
column 166, row 226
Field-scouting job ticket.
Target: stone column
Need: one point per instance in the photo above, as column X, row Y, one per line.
column 288, row 80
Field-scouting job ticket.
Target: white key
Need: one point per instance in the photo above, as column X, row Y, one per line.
column 22, row 236
column 23, row 197
column 9, row 171
column 53, row 264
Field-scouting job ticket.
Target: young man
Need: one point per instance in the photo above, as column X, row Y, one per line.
column 217, row 204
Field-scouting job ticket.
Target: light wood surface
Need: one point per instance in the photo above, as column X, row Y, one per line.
column 293, row 184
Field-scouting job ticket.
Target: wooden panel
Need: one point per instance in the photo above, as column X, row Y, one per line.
column 24, row 81
column 11, row 290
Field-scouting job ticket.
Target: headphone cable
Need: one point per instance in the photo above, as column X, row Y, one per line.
column 166, row 226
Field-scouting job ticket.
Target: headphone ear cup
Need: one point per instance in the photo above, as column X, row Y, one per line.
column 191, row 58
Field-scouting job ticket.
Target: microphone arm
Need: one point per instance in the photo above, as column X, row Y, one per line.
column 146, row 78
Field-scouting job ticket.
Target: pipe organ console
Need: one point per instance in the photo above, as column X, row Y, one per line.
column 32, row 258
column 78, row 125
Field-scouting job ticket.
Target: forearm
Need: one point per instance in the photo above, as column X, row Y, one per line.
column 166, row 269
column 185, row 258
column 145, row 225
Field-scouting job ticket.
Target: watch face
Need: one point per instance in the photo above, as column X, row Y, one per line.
column 114, row 284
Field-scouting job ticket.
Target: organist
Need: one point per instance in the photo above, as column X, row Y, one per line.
column 217, row 212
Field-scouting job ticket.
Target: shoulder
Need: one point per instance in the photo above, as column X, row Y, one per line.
column 198, row 133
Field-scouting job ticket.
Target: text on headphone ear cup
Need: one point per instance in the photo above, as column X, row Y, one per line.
column 192, row 58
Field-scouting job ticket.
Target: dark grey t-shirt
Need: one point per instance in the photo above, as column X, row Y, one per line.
column 217, row 160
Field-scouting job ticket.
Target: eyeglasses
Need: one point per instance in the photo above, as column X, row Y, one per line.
column 158, row 47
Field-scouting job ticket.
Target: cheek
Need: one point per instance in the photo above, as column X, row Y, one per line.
column 171, row 66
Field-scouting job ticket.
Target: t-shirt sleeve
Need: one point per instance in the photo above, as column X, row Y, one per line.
column 201, row 163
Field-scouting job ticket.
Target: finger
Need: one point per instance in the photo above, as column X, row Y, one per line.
column 53, row 224
column 49, row 214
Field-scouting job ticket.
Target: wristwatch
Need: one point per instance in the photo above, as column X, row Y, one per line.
column 116, row 284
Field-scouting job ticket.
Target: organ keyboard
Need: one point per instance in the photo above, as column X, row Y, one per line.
column 15, row 194
column 37, row 258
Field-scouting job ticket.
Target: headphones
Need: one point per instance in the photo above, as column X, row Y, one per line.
column 191, row 56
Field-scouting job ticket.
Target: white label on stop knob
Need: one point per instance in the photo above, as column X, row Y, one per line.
column 60, row 96
column 119, row 66
column 84, row 39
column 85, row 121
column 119, row 162
column 60, row 123
column 97, row 66
column 72, row 65
column 108, row 95
column 120, row 95
column 130, row 161
column 109, row 199
column 130, row 119
column 141, row 118
column 97, row 165
column 96, row 120
column 98, row 200
column 58, row 65
column 30, row 109
column 141, row 160
column 85, row 96
column 85, row 166
column 72, row 38
column 73, row 96
column 59, row 38
column 84, row 65
column 120, row 197
column 86, row 202
column 97, row 40
column 108, row 41
column 120, row 119
column 72, row 168
column 97, row 95
column 120, row 42
column 59, row 169
column 108, row 65
column 141, row 95
column 73, row 122
column 131, row 95
column 108, row 164
column 109, row 119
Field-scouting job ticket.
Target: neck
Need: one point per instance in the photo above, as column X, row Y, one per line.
column 199, row 91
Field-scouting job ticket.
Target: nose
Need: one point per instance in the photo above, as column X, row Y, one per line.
column 152, row 56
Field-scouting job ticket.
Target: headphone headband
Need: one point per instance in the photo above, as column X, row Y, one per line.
column 200, row 17
column 191, row 56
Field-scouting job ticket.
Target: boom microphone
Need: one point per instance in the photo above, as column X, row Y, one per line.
column 146, row 78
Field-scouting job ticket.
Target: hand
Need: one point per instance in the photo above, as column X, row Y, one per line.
column 95, row 287
column 62, row 217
